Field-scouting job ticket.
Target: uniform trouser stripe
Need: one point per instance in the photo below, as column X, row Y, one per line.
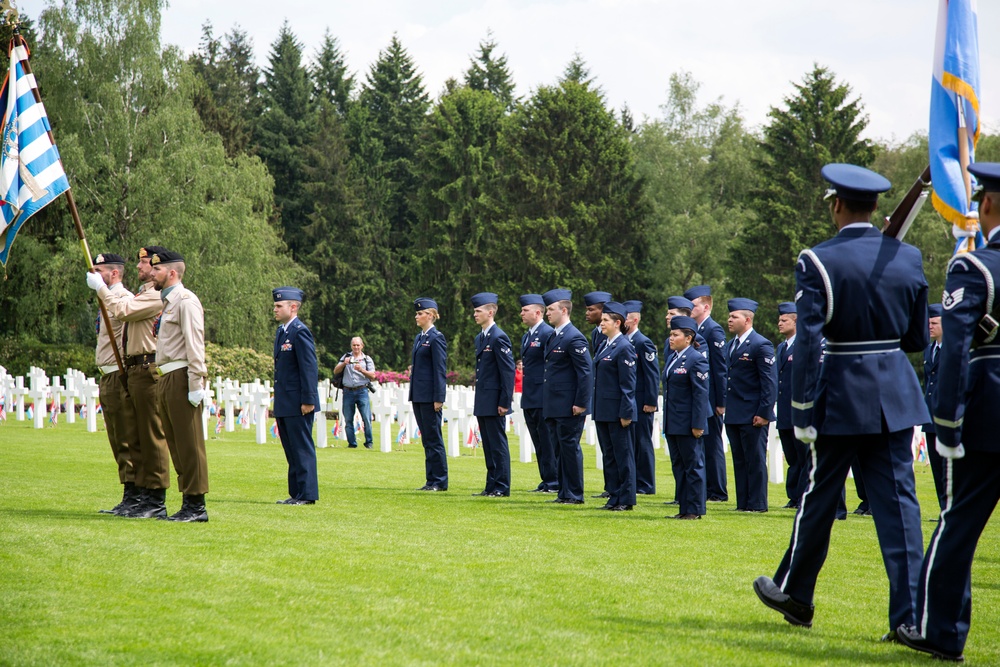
column 798, row 515
column 933, row 547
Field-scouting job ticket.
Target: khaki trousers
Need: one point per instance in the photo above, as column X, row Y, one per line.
column 151, row 458
column 119, row 419
column 182, row 427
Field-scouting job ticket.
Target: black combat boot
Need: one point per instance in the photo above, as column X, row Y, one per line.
column 127, row 495
column 133, row 499
column 153, row 505
column 192, row 510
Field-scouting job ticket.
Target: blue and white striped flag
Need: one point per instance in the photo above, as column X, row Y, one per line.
column 31, row 173
column 954, row 122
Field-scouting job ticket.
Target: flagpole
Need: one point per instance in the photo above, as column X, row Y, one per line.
column 79, row 227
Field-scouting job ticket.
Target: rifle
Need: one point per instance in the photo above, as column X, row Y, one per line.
column 898, row 222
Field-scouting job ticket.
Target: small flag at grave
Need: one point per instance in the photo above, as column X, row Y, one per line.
column 274, row 430
column 402, row 438
column 218, row 424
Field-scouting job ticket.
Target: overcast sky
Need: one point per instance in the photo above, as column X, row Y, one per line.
column 746, row 51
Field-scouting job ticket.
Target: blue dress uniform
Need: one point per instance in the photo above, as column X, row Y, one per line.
column 686, row 407
column 428, row 384
column 750, row 393
column 796, row 452
column 494, row 390
column 932, row 358
column 533, row 358
column 568, row 383
column 965, row 419
column 296, row 380
column 614, row 400
column 867, row 294
column 715, row 456
column 596, row 299
column 647, row 389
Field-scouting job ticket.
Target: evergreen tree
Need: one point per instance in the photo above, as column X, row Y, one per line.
column 577, row 71
column 490, row 73
column 394, row 103
column 820, row 125
column 331, row 81
column 284, row 128
column 456, row 207
column 572, row 200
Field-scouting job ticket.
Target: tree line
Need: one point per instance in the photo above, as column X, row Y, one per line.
column 367, row 192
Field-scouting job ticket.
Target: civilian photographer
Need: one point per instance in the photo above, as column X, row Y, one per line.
column 359, row 371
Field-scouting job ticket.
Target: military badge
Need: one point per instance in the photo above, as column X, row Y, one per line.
column 798, row 295
column 702, row 376
column 650, row 356
column 681, row 371
column 581, row 350
column 720, row 344
column 630, row 362
column 769, row 360
column 286, row 346
column 949, row 301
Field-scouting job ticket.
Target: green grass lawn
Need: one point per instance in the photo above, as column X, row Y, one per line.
column 379, row 574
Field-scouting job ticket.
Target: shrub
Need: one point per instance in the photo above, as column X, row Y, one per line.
column 19, row 353
column 238, row 363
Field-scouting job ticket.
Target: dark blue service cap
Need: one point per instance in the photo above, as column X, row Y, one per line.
column 532, row 300
column 632, row 306
column 287, row 294
column 108, row 258
column 743, row 304
column 698, row 291
column 934, row 310
column 614, row 308
column 554, row 295
column 855, row 183
column 484, row 298
column 683, row 322
column 165, row 257
column 988, row 175
column 786, row 308
column 423, row 303
column 596, row 298
column 679, row 302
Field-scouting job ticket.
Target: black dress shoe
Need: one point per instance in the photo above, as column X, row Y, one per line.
column 299, row 501
column 645, row 493
column 435, row 487
column 352, row 446
column 482, row 493
column 755, row 511
column 717, row 499
column 890, row 637
column 794, row 612
column 620, row 508
column 498, row 494
column 286, row 501
column 368, row 445
column 908, row 636
column 538, row 490
column 425, row 487
column 866, row 513
column 602, row 495
column 686, row 517
column 567, row 501
column 841, row 517
column 672, row 502
column 790, row 505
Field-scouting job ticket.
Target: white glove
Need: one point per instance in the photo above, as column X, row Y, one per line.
column 95, row 280
column 196, row 397
column 947, row 452
column 807, row 435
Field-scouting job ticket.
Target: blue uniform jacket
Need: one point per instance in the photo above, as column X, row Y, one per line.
column 752, row 380
column 568, row 374
column 296, row 376
column 428, row 378
column 494, row 373
column 784, row 365
column 867, row 290
column 931, row 366
column 713, row 334
column 533, row 357
column 597, row 339
column 614, row 382
column 702, row 350
column 685, row 393
column 968, row 383
column 647, row 375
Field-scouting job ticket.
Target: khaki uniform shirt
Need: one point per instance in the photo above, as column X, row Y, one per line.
column 140, row 311
column 182, row 334
column 105, row 355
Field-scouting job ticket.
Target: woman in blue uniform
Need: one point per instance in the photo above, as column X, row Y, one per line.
column 685, row 414
column 427, row 390
column 614, row 407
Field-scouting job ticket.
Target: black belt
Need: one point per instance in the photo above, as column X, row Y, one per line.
column 137, row 359
column 360, row 386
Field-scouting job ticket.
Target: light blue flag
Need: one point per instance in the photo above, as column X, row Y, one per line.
column 31, row 173
column 954, row 121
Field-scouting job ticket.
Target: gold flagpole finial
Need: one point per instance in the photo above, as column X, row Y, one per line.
column 9, row 10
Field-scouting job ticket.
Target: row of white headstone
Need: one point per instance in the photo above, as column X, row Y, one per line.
column 388, row 404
